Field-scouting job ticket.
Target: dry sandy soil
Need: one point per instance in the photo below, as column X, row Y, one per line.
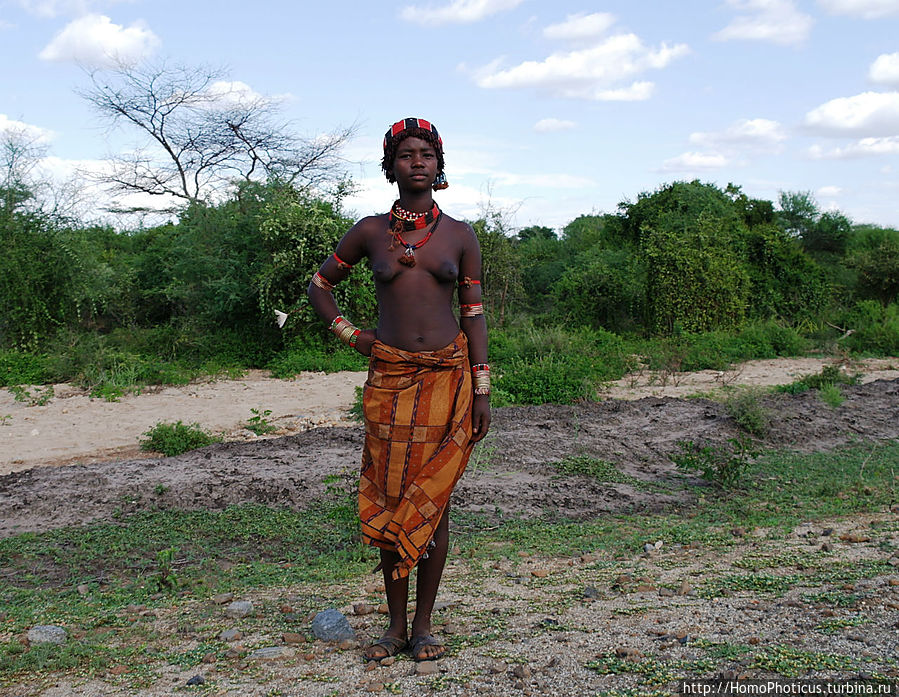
column 526, row 626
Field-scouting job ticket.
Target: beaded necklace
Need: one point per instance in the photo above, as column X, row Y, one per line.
column 400, row 220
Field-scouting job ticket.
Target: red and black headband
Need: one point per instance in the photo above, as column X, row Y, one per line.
column 417, row 127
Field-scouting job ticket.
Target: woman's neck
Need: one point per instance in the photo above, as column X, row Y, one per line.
column 417, row 203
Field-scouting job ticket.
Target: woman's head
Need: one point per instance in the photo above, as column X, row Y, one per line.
column 417, row 128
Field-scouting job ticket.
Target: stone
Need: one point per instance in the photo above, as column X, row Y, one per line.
column 347, row 644
column 738, row 532
column 285, row 609
column 231, row 635
column 628, row 653
column 223, row 598
column 239, row 609
column 271, row 653
column 522, row 671
column 118, row 670
column 292, row 638
column 685, row 589
column 855, row 537
column 426, row 668
column 233, row 652
column 827, row 547
column 83, row 589
column 363, row 609
column 451, row 628
column 383, row 609
column 589, row 558
column 498, row 667
column 332, row 625
column 644, row 588
column 539, row 573
column 47, row 634
column 753, row 641
column 196, row 680
column 623, row 579
column 388, row 661
column 209, row 658
column 893, row 582
column 590, row 593
column 665, row 592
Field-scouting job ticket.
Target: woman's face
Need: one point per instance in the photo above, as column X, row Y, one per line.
column 415, row 164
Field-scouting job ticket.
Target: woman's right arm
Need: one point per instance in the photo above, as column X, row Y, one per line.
column 350, row 251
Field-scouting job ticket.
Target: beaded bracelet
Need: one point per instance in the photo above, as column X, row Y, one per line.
column 341, row 264
column 345, row 330
column 481, row 376
column 468, row 282
column 472, row 310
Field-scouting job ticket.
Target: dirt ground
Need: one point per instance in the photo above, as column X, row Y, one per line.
column 525, row 626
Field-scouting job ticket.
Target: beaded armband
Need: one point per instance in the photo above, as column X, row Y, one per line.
column 472, row 310
column 468, row 282
column 481, row 376
column 322, row 282
column 341, row 264
column 345, row 330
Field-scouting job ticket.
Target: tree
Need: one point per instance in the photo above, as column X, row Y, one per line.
column 798, row 212
column 876, row 258
column 201, row 134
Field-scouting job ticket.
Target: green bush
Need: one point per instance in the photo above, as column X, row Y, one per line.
column 725, row 466
column 23, row 368
column 744, row 407
column 318, row 353
column 176, row 438
column 876, row 328
column 548, row 379
column 829, row 376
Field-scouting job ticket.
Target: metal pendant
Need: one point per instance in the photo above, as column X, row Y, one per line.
column 408, row 257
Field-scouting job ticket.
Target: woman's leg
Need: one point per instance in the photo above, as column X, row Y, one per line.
column 430, row 571
column 397, row 599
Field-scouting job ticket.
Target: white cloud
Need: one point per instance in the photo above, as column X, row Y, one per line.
column 93, row 40
column 635, row 92
column 885, row 70
column 589, row 73
column 32, row 133
column 580, row 26
column 227, row 94
column 54, row 8
column 777, row 21
column 866, row 147
column 828, row 191
column 870, row 114
column 867, row 9
column 745, row 132
column 695, row 161
column 457, row 12
column 552, row 124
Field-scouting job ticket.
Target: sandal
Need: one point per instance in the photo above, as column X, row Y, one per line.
column 423, row 641
column 391, row 644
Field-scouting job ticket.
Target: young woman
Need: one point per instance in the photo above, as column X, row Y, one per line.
column 426, row 400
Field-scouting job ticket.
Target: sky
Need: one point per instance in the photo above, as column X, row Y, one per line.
column 547, row 110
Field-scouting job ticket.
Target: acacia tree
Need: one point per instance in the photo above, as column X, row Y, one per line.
column 200, row 134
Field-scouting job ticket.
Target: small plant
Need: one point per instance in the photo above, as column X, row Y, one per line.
column 831, row 395
column 164, row 576
column 829, row 375
column 743, row 406
column 39, row 398
column 725, row 466
column 258, row 423
column 5, row 419
column 176, row 438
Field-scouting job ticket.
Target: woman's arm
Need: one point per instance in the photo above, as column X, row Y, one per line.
column 474, row 325
column 350, row 251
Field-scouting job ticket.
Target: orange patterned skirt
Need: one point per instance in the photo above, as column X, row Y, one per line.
column 417, row 408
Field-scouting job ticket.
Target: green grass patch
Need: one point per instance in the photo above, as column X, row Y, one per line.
column 791, row 662
column 175, row 438
column 830, row 376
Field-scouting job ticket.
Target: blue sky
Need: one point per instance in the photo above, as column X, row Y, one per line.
column 547, row 109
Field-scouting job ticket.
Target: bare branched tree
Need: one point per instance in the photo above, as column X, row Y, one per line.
column 202, row 134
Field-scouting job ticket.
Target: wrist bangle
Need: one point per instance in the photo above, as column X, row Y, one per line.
column 481, row 378
column 345, row 330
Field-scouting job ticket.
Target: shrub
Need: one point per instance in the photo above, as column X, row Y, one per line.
column 876, row 328
column 176, row 438
column 724, row 466
column 22, row 368
column 744, row 407
column 831, row 395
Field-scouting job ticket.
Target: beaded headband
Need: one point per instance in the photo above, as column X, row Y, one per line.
column 406, row 124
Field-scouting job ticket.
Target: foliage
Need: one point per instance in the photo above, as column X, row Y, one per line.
column 501, row 273
column 725, row 466
column 175, row 438
column 831, row 395
column 830, row 375
column 875, row 328
column 875, row 256
column 22, row 368
column 743, row 406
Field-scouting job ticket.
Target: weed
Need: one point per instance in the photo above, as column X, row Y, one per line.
column 164, row 577
column 5, row 419
column 744, row 407
column 829, row 375
column 160, row 489
column 176, row 438
column 258, row 423
column 725, row 466
column 482, row 455
column 356, row 413
column 600, row 470
column 791, row 662
column 832, row 625
column 831, row 395
column 40, row 397
column 756, row 583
